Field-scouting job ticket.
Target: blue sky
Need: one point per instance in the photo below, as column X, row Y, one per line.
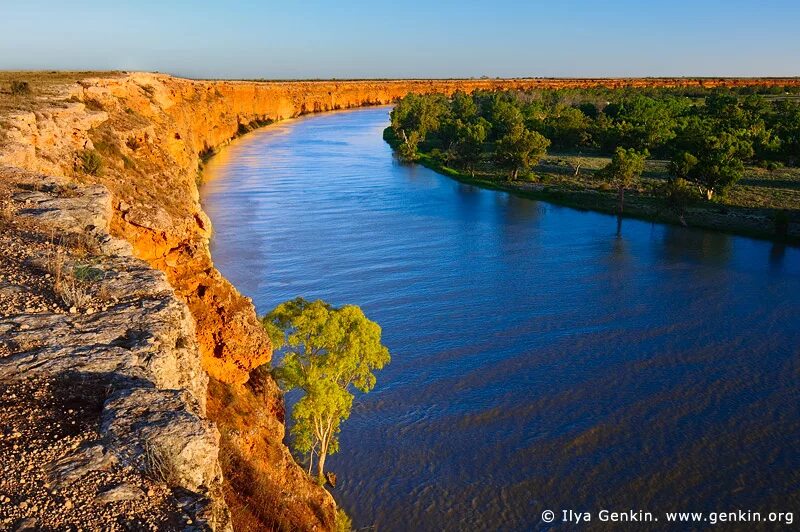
column 434, row 38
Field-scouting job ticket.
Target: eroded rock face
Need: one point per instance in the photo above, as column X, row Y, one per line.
column 163, row 431
column 136, row 356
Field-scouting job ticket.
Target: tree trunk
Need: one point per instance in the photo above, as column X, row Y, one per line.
column 323, row 453
column 621, row 200
column 321, row 463
column 514, row 173
column 709, row 194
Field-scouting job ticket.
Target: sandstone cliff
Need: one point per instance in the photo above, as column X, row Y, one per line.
column 152, row 132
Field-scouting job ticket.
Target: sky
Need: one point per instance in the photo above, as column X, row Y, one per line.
column 404, row 38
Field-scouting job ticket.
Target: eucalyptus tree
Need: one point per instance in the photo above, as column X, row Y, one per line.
column 720, row 163
column 519, row 150
column 469, row 140
column 624, row 169
column 328, row 354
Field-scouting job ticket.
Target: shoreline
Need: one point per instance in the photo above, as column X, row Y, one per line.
column 736, row 221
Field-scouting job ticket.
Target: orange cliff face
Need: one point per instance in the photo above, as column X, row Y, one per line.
column 151, row 130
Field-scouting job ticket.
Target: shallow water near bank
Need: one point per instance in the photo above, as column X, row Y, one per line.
column 541, row 360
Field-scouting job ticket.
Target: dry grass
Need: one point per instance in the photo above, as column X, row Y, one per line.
column 158, row 465
column 263, row 488
column 40, row 84
column 71, row 284
column 72, row 291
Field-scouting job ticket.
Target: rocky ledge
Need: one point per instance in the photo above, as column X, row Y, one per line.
column 103, row 394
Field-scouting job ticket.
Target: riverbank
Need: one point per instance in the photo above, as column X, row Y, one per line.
column 554, row 184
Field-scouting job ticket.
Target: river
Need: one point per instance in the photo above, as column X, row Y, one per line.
column 540, row 359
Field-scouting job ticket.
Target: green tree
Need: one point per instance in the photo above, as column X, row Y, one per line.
column 414, row 117
column 720, row 163
column 519, row 150
column 681, row 164
column 567, row 127
column 505, row 118
column 468, row 146
column 785, row 120
column 643, row 122
column 408, row 149
column 463, row 106
column 624, row 169
column 328, row 353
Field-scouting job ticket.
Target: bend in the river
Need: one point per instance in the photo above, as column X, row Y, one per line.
column 541, row 360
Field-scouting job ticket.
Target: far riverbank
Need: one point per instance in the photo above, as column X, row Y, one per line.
column 763, row 223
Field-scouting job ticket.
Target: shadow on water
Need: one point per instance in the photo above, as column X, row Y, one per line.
column 543, row 357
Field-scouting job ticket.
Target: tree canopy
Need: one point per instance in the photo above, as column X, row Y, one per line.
column 519, row 150
column 328, row 353
column 710, row 134
column 624, row 169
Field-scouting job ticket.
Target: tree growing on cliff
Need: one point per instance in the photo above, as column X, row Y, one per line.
column 624, row 169
column 328, row 354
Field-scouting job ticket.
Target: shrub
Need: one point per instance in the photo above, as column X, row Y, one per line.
column 678, row 193
column 343, row 521
column 20, row 88
column 90, row 162
column 242, row 130
column 206, row 154
column 72, row 291
column 93, row 105
column 84, row 272
column 438, row 157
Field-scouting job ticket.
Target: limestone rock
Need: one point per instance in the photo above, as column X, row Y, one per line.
column 82, row 462
column 162, row 432
column 122, row 492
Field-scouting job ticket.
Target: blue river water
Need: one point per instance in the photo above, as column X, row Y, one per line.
column 540, row 359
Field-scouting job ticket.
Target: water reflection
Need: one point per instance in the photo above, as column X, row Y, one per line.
column 541, row 358
column 703, row 246
column 777, row 254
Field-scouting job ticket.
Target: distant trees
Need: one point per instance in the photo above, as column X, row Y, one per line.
column 328, row 353
column 414, row 117
column 568, row 127
column 506, row 119
column 708, row 135
column 624, row 169
column 719, row 163
column 784, row 121
column 520, row 149
column 468, row 145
